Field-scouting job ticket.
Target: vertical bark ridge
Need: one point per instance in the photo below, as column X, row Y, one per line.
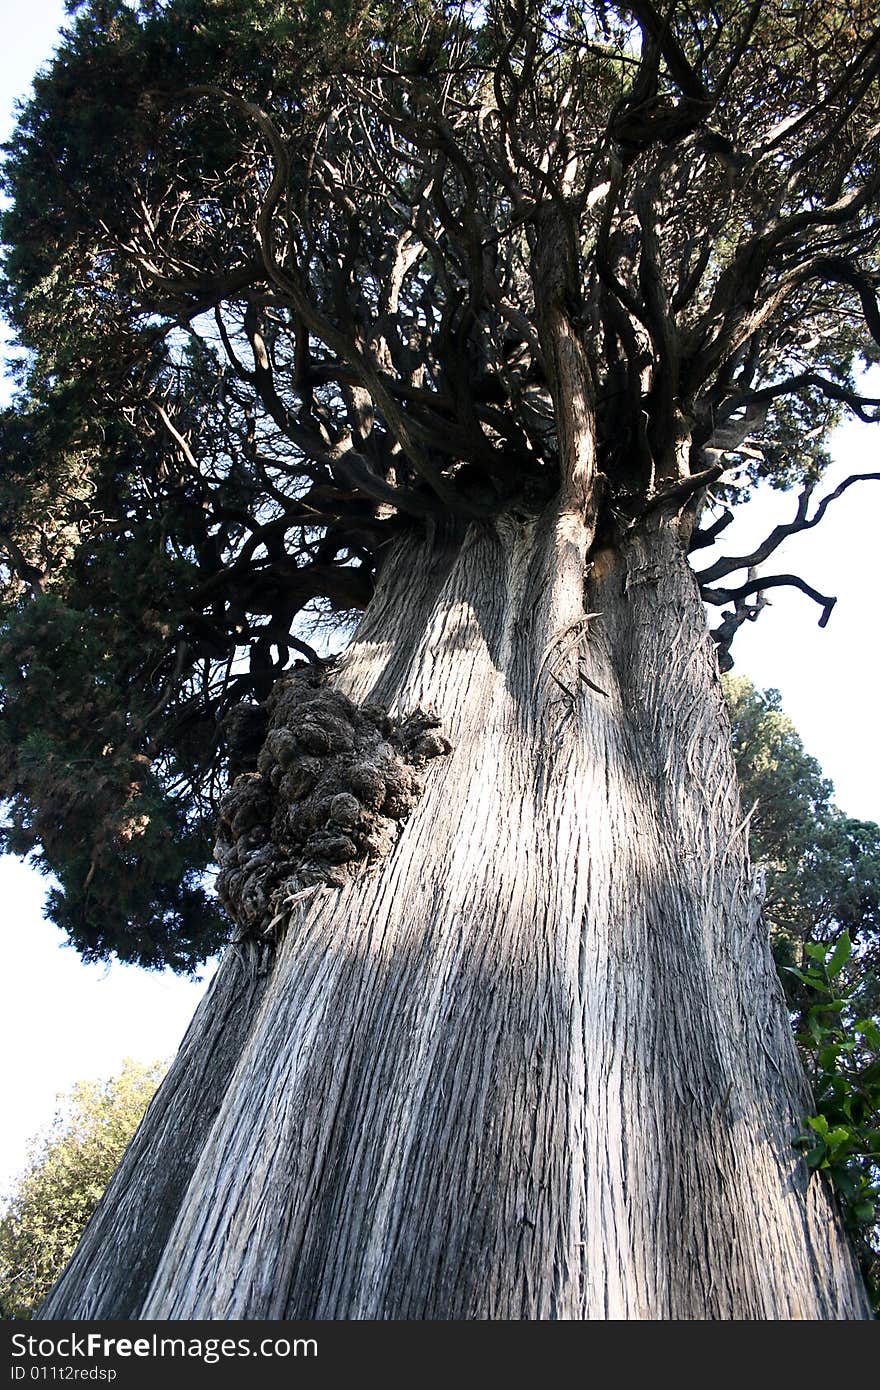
column 121, row 1246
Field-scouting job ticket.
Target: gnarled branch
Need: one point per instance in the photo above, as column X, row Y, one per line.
column 776, row 581
column 780, row 533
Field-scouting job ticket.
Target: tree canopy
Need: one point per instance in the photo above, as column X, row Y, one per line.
column 68, row 1168
column 291, row 280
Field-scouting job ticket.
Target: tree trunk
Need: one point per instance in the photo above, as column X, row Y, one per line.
column 535, row 1062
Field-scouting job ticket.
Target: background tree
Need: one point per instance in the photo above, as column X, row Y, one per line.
column 823, row 867
column 67, row 1171
column 468, row 316
column 821, row 906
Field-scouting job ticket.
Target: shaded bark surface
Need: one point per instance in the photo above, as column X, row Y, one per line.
column 117, row 1256
column 536, row 1063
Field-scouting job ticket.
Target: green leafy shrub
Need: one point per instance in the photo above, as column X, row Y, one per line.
column 841, row 1049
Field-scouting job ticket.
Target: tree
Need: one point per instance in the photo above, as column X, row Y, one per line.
column 67, row 1170
column 822, row 867
column 821, row 906
column 469, row 317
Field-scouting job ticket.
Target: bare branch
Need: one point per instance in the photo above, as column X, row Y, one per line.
column 780, row 533
column 677, row 63
column 172, row 429
column 685, row 487
column 834, row 390
column 727, row 629
column 703, row 537
column 758, row 585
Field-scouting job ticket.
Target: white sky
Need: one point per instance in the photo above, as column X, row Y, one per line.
column 62, row 1021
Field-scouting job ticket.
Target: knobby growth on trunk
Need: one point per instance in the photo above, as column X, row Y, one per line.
column 476, row 318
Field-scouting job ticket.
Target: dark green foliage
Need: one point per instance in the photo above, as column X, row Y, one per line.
column 89, row 775
column 111, row 691
column 91, row 805
column 823, row 911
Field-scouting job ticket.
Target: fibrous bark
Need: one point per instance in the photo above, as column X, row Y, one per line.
column 533, row 1060
column 117, row 1256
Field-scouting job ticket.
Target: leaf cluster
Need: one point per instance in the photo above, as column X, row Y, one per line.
column 841, row 1048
